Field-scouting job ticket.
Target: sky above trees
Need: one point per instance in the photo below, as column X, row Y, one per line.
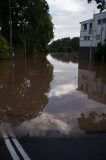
column 67, row 14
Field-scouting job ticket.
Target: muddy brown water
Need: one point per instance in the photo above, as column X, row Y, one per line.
column 53, row 96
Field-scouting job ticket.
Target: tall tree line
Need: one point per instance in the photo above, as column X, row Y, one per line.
column 65, row 45
column 31, row 23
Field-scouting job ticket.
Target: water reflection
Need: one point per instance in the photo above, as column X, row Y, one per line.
column 65, row 77
column 92, row 80
column 65, row 57
column 23, row 89
column 74, row 96
column 92, row 123
column 43, row 125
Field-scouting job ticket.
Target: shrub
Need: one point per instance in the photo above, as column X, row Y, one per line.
column 4, row 49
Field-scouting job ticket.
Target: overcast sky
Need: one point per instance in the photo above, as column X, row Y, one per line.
column 67, row 14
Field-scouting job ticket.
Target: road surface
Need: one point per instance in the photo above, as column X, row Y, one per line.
column 89, row 147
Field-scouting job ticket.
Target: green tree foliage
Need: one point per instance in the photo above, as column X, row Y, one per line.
column 4, row 49
column 31, row 22
column 65, row 45
column 101, row 4
column 75, row 44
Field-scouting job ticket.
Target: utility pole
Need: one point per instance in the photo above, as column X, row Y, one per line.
column 10, row 21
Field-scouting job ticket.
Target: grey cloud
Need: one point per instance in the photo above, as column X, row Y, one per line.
column 68, row 19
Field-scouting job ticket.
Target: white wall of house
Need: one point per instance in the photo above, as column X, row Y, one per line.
column 85, row 34
column 90, row 37
column 99, row 28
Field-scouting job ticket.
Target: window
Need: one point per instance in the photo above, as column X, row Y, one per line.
column 87, row 38
column 104, row 20
column 99, row 21
column 97, row 37
column 90, row 27
column 85, row 26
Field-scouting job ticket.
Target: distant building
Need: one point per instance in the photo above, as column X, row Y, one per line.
column 92, row 32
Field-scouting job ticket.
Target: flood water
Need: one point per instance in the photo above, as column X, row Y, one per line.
column 56, row 96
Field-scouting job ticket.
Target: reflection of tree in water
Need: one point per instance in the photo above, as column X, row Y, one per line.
column 23, row 88
column 92, row 123
column 65, row 57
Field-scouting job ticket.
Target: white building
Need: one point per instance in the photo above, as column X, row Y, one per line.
column 93, row 31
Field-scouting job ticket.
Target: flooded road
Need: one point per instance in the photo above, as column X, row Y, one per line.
column 56, row 96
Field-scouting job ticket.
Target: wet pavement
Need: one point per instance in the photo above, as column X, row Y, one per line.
column 83, row 148
column 91, row 147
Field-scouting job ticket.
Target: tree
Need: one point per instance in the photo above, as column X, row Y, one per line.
column 75, row 43
column 101, row 4
column 65, row 45
column 31, row 22
column 61, row 45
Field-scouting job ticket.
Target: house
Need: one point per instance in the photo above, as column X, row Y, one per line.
column 92, row 32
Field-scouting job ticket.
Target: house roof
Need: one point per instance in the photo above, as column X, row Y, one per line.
column 104, row 12
column 86, row 21
column 92, row 19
